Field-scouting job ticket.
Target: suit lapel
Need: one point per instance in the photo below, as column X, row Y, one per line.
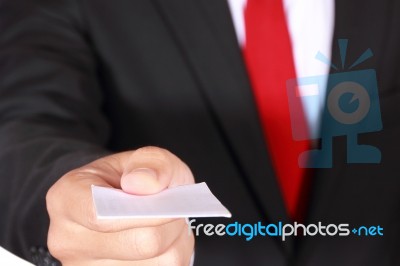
column 369, row 35
column 204, row 31
column 363, row 31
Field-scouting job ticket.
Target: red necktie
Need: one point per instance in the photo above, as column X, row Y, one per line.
column 269, row 60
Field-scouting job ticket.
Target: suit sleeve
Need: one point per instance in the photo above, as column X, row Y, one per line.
column 51, row 118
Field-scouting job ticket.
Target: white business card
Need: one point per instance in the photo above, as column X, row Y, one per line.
column 179, row 202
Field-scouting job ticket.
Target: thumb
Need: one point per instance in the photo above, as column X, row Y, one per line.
column 150, row 170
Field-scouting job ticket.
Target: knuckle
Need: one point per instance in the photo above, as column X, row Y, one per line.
column 56, row 249
column 59, row 188
column 154, row 152
column 57, row 244
column 53, row 198
column 181, row 252
column 94, row 223
column 52, row 242
column 172, row 258
column 50, row 200
column 148, row 243
column 186, row 173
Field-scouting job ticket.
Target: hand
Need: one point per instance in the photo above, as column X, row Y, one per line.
column 76, row 237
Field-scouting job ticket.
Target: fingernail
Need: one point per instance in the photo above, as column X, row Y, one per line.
column 140, row 181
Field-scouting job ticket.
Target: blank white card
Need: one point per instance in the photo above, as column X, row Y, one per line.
column 179, row 202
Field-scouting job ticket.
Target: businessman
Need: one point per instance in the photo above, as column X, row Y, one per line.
column 90, row 89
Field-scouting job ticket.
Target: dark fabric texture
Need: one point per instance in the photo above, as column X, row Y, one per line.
column 83, row 78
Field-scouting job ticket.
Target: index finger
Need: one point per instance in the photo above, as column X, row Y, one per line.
column 71, row 198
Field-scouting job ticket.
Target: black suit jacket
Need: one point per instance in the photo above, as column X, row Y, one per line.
column 80, row 79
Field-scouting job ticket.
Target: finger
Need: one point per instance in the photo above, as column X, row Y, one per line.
column 71, row 196
column 72, row 201
column 130, row 245
column 150, row 170
column 178, row 254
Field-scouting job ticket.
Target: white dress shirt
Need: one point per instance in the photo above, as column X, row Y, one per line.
column 311, row 24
